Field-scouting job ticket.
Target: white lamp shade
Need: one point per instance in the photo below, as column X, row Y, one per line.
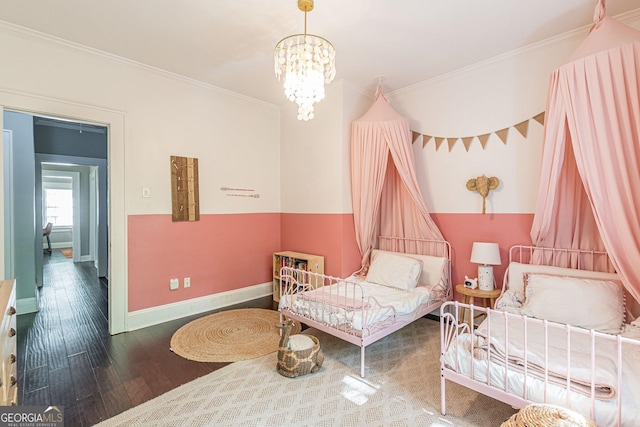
column 485, row 253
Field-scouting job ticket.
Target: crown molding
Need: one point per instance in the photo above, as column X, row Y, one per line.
column 48, row 38
column 631, row 18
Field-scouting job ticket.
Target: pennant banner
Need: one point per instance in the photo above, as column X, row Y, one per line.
column 467, row 142
column 522, row 128
column 483, row 139
column 502, row 134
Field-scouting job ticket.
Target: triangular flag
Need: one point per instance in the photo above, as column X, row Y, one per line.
column 540, row 118
column 502, row 134
column 467, row 142
column 522, row 127
column 439, row 142
column 451, row 142
column 414, row 136
column 425, row 140
column 483, row 139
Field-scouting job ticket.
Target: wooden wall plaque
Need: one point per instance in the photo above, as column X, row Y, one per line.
column 185, row 201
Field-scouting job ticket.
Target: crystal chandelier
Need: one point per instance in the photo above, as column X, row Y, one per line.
column 307, row 62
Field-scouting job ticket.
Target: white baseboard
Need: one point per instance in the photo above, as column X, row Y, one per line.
column 164, row 313
column 58, row 245
column 27, row 305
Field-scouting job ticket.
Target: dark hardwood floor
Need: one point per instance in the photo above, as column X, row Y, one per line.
column 66, row 356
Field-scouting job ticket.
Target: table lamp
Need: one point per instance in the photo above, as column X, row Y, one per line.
column 488, row 255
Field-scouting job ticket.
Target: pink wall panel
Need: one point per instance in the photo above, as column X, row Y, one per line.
column 333, row 236
column 329, row 235
column 461, row 230
column 219, row 253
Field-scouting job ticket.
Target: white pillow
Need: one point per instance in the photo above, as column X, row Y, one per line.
column 587, row 303
column 517, row 271
column 390, row 269
column 432, row 266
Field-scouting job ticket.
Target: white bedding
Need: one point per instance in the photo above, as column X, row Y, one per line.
column 340, row 304
column 556, row 391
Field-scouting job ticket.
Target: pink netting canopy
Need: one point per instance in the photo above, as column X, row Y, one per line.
column 386, row 197
column 589, row 194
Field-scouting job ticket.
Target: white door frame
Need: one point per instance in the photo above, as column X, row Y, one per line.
column 7, row 262
column 93, row 214
column 115, row 121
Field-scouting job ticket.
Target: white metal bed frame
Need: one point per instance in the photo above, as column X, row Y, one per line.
column 452, row 325
column 300, row 280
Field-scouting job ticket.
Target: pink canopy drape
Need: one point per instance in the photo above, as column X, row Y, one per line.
column 589, row 195
column 384, row 189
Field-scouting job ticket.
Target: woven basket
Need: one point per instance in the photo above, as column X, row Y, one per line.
column 541, row 415
column 294, row 363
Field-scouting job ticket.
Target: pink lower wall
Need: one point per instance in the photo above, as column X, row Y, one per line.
column 219, row 253
column 461, row 230
column 227, row 252
column 330, row 235
column 333, row 236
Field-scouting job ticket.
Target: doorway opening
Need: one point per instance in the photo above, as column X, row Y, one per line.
column 29, row 105
column 60, row 204
column 74, row 155
column 63, row 165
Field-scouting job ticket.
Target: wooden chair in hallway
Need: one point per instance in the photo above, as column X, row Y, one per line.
column 45, row 233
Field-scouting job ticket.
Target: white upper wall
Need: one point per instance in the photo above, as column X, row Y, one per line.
column 484, row 98
column 481, row 99
column 315, row 154
column 295, row 166
column 236, row 139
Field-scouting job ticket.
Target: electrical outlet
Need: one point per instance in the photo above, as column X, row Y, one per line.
column 187, row 282
column 174, row 284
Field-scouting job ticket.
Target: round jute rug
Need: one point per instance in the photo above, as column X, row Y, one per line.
column 229, row 336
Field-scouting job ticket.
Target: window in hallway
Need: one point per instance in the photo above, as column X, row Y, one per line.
column 59, row 206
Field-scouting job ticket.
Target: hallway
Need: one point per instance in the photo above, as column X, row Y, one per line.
column 66, row 356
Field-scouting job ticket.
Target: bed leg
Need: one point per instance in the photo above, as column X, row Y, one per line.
column 362, row 361
column 443, row 395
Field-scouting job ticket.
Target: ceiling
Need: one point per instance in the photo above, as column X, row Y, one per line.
column 229, row 43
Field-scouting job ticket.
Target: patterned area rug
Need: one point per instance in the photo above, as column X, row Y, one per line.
column 402, row 388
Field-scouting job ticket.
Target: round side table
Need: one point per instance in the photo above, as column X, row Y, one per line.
column 469, row 295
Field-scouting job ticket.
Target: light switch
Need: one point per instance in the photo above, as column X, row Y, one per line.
column 146, row 192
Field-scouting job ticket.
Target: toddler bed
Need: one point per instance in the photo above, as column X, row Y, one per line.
column 558, row 335
column 407, row 279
